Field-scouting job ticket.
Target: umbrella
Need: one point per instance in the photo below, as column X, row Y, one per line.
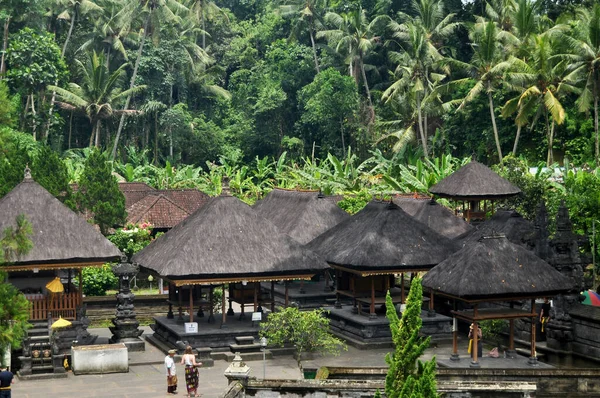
column 55, row 286
column 591, row 298
column 60, row 323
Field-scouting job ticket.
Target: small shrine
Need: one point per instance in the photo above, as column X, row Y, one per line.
column 125, row 329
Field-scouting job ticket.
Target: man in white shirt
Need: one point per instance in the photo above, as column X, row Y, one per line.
column 171, row 373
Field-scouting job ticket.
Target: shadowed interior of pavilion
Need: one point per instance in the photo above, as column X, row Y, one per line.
column 303, row 215
column 63, row 244
column 367, row 251
column 493, row 270
column 477, row 187
column 224, row 242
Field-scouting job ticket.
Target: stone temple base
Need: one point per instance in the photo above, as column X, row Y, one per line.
column 132, row 344
column 363, row 332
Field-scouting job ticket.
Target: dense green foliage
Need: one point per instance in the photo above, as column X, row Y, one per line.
column 132, row 238
column 14, row 307
column 407, row 375
column 98, row 193
column 308, row 331
column 96, row 281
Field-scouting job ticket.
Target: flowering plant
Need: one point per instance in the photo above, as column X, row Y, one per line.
column 132, row 238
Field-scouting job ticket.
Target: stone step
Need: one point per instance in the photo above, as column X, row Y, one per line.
column 246, row 356
column 242, row 340
column 36, row 331
column 245, row 347
column 39, row 339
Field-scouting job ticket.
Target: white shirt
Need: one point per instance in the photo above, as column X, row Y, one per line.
column 170, row 364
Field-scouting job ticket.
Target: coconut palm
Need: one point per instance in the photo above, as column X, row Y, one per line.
column 97, row 95
column 200, row 10
column 154, row 13
column 584, row 48
column 308, row 14
column 352, row 35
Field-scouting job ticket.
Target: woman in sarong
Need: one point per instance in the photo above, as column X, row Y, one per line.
column 191, row 371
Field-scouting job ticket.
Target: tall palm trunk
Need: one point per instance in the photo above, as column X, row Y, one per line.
column 420, row 124
column 364, row 77
column 131, row 85
column 514, row 151
column 62, row 55
column 596, row 143
column 4, row 46
column 496, row 137
column 70, row 129
column 98, row 133
column 550, row 158
column 33, row 129
column 314, row 47
column 203, row 27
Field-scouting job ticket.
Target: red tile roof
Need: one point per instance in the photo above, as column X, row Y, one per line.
column 189, row 199
column 158, row 210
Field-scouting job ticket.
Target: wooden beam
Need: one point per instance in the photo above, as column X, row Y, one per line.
column 372, row 311
column 191, row 304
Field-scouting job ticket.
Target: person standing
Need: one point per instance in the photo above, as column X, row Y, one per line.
column 544, row 318
column 171, row 373
column 479, row 342
column 6, row 379
column 191, row 371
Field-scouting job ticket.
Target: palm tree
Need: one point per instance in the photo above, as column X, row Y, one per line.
column 154, row 12
column 97, row 94
column 308, row 13
column 486, row 69
column 200, row 10
column 354, row 36
column 584, row 48
column 542, row 81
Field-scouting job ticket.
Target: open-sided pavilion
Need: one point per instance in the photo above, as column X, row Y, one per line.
column 224, row 242
column 494, row 270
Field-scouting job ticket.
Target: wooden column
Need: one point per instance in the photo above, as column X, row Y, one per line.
column 511, row 336
column 475, row 361
column 272, row 296
column 533, row 357
column 431, row 301
column 223, row 312
column 180, row 301
column 256, row 287
column 80, row 286
column 454, row 356
column 211, row 310
column 402, row 288
column 191, row 303
column 242, row 304
column 372, row 314
column 287, row 294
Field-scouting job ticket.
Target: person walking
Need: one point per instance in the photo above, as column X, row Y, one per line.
column 191, row 371
column 6, row 379
column 171, row 373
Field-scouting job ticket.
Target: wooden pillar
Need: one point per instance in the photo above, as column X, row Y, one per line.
column 242, row 304
column 287, row 294
column 180, row 301
column 533, row 358
column 223, row 306
column 454, row 356
column 272, row 296
column 256, row 287
column 475, row 361
column 511, row 337
column 211, row 310
column 402, row 288
column 191, row 303
column 326, row 288
column 372, row 311
column 431, row 301
column 80, row 293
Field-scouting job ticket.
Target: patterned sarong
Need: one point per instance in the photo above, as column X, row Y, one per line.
column 191, row 378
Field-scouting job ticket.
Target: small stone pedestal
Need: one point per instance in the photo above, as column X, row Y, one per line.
column 237, row 371
column 125, row 329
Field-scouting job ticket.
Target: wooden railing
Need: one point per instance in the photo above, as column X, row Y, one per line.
column 59, row 305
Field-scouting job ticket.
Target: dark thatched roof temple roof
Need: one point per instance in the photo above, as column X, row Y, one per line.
column 505, row 222
column 441, row 220
column 494, row 269
column 474, row 181
column 410, row 205
column 227, row 241
column 61, row 238
column 382, row 239
column 303, row 215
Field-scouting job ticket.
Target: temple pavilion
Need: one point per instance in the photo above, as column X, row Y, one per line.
column 477, row 187
column 224, row 243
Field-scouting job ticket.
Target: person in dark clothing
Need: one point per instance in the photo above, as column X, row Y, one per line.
column 6, row 379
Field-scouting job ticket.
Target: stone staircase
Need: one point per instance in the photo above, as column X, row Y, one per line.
column 248, row 349
column 38, row 353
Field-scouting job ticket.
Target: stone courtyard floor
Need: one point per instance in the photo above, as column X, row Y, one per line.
column 146, row 377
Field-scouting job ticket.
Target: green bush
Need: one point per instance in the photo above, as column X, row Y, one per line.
column 96, row 281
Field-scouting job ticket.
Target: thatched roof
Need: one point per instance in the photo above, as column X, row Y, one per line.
column 494, row 269
column 61, row 239
column 411, row 204
column 158, row 210
column 441, row 220
column 303, row 215
column 382, row 238
column 226, row 241
column 474, row 181
column 506, row 222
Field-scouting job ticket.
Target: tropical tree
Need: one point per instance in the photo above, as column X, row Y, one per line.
column 97, row 95
column 584, row 59
column 354, row 36
column 486, row 69
column 309, row 16
column 201, row 10
column 154, row 13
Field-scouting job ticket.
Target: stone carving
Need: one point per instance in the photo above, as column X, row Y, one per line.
column 125, row 329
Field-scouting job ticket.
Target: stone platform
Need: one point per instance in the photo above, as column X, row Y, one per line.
column 212, row 335
column 364, row 332
column 309, row 295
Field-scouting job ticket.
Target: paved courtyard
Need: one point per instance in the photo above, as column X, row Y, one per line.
column 146, row 377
